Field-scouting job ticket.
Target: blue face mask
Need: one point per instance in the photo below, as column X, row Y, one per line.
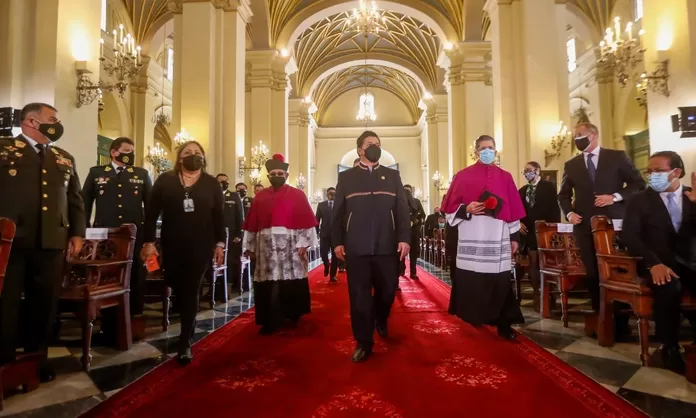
column 487, row 156
column 659, row 181
column 442, row 226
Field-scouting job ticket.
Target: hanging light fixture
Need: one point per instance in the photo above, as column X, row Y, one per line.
column 160, row 117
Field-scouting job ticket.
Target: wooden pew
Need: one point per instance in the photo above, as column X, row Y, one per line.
column 619, row 281
column 24, row 371
column 560, row 264
column 99, row 277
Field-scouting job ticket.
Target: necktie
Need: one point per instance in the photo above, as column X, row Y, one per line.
column 331, row 204
column 119, row 170
column 40, row 151
column 591, row 169
column 674, row 211
column 531, row 195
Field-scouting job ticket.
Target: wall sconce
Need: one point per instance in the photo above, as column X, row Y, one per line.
column 559, row 142
column 439, row 183
column 658, row 80
column 259, row 156
column 87, row 90
column 301, row 182
column 255, row 176
column 318, row 196
column 157, row 156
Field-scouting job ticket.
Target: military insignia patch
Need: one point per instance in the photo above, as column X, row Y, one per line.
column 12, row 172
column 130, row 170
column 107, row 169
column 136, row 192
column 51, row 131
column 53, row 150
column 135, row 177
column 101, row 192
column 19, row 144
column 126, row 160
column 18, row 154
column 382, row 177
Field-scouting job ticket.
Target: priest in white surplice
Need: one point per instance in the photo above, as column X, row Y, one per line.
column 484, row 205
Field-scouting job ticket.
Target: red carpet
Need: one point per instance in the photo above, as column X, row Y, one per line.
column 434, row 365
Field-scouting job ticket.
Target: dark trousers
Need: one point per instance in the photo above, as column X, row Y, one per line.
column 365, row 274
column 583, row 236
column 235, row 264
column 186, row 284
column 39, row 274
column 325, row 248
column 666, row 307
column 414, row 253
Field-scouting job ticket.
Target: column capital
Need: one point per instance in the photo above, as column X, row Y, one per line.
column 176, row 6
column 243, row 7
column 491, row 6
column 467, row 61
column 270, row 69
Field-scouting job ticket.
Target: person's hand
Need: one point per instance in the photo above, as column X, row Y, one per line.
column 76, row 244
column 219, row 256
column 662, row 274
column 237, row 240
column 575, row 219
column 692, row 194
column 515, row 247
column 403, row 250
column 340, row 252
column 475, row 208
column 148, row 250
column 302, row 252
column 523, row 229
column 604, row 200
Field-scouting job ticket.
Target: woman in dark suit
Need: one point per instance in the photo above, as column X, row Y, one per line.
column 193, row 232
column 540, row 204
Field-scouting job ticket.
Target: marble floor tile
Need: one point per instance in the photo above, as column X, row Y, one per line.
column 173, row 331
column 549, row 340
column 556, row 327
column 213, row 323
column 605, row 371
column 170, row 345
column 111, row 393
column 611, row 388
column 66, row 388
column 626, row 352
column 55, row 352
column 106, row 357
column 118, row 376
column 210, row 314
column 69, row 409
column 658, row 407
column 662, row 383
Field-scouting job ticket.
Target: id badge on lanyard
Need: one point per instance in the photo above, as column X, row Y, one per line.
column 188, row 204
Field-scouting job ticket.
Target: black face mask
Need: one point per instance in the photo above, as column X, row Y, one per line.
column 52, row 131
column 242, row 193
column 225, row 185
column 127, row 159
column 330, row 196
column 582, row 143
column 373, row 153
column 277, row 182
column 193, row 162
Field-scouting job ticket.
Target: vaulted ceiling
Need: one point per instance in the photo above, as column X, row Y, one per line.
column 368, row 77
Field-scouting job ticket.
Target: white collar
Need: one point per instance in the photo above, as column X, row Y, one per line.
column 594, row 152
column 33, row 143
column 677, row 192
column 536, row 181
column 116, row 166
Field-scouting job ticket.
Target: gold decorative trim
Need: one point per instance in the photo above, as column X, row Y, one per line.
column 146, row 15
column 598, row 11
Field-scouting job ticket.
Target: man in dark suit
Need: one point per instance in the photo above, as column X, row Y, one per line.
column 371, row 232
column 121, row 192
column 596, row 182
column 417, row 218
column 431, row 222
column 41, row 195
column 234, row 217
column 659, row 227
column 243, row 194
column 325, row 217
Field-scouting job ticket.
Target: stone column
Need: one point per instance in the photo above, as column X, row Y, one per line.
column 13, row 50
column 529, row 83
column 269, row 98
column 298, row 139
column 470, row 98
column 670, row 34
column 177, row 11
column 142, row 104
column 438, row 142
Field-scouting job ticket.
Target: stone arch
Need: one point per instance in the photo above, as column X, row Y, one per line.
column 319, row 10
column 582, row 24
column 115, row 116
column 350, row 61
column 152, row 44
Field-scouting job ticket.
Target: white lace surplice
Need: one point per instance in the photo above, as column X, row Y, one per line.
column 276, row 251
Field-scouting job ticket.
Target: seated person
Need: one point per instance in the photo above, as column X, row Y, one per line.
column 658, row 227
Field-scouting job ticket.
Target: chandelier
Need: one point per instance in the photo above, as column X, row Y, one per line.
column 367, row 19
column 559, row 142
column 259, row 156
column 157, row 156
column 366, row 113
column 418, row 194
column 124, row 68
column 439, row 182
column 620, row 53
column 181, row 138
column 160, row 117
column 301, row 182
column 317, row 197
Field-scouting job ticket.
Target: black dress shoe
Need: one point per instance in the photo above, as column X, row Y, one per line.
column 266, row 330
column 383, row 330
column 334, row 280
column 46, row 374
column 185, row 357
column 672, row 359
column 414, row 276
column 507, row 333
column 361, row 354
column 326, row 271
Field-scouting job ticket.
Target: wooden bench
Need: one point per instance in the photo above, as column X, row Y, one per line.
column 619, row 281
column 560, row 264
column 24, row 371
column 98, row 278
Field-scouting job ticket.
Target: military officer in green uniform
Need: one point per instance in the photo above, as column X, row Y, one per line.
column 40, row 193
column 121, row 192
column 234, row 216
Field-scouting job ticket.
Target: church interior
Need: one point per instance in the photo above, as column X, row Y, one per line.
column 304, row 78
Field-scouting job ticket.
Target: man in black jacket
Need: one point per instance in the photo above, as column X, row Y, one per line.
column 41, row 194
column 121, row 192
column 234, row 217
column 431, row 222
column 371, row 232
column 659, row 227
column 417, row 218
column 325, row 217
column 596, row 182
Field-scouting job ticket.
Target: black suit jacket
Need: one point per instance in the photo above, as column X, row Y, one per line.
column 324, row 218
column 545, row 204
column 431, row 223
column 120, row 198
column 42, row 199
column 615, row 174
column 648, row 231
column 371, row 213
column 246, row 204
column 233, row 213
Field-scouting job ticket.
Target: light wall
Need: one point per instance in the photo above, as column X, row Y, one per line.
column 391, row 111
column 333, row 143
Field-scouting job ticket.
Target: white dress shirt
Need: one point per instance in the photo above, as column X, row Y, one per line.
column 595, row 159
column 34, row 143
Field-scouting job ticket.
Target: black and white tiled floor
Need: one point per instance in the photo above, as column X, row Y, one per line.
column 659, row 393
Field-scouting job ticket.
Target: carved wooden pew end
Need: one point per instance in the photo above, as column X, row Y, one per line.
column 690, row 358
column 22, row 372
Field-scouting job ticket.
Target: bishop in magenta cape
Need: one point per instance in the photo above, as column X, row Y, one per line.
column 482, row 292
column 280, row 223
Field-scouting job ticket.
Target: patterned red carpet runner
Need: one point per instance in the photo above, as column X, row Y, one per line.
column 433, row 365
